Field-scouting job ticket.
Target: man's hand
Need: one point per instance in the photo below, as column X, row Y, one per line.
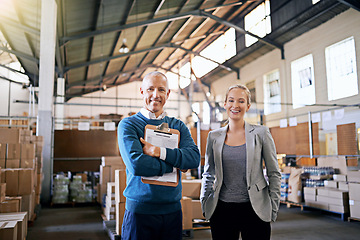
column 150, row 149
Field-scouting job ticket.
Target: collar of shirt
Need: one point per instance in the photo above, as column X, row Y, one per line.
column 150, row 115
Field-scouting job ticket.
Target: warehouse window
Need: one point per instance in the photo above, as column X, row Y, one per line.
column 258, row 22
column 272, row 97
column 303, row 81
column 341, row 69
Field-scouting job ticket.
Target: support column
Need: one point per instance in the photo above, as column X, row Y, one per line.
column 59, row 107
column 46, row 90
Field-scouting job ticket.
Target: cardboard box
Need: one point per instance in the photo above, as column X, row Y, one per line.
column 113, row 161
column 354, row 208
column 12, row 180
column 105, row 174
column 120, row 210
column 2, row 163
column 2, row 191
column 323, row 191
column 186, row 206
column 13, row 151
column 330, row 184
column 353, row 176
column 26, row 182
column 310, row 190
column 9, row 206
column 316, row 204
column 27, row 163
column 339, row 208
column 120, row 185
column 9, row 135
column 8, row 230
column 334, row 201
column 110, row 188
column 28, row 204
column 27, row 151
column 2, row 151
column 12, row 163
column 340, row 177
column 196, row 210
column 354, row 191
column 343, row 186
column 336, row 193
column 17, row 199
column 309, row 197
column 22, row 222
column 191, row 188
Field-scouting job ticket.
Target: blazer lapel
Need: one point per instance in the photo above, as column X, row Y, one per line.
column 250, row 147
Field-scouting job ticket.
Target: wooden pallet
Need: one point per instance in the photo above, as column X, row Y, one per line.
column 200, row 224
column 292, row 204
column 353, row 219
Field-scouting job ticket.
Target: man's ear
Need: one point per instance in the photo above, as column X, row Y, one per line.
column 168, row 94
column 141, row 91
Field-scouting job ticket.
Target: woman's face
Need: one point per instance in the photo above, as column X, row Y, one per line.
column 236, row 104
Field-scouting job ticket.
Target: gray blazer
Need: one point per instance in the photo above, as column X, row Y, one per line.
column 264, row 196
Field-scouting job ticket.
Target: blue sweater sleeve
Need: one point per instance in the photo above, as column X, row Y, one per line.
column 187, row 156
column 138, row 163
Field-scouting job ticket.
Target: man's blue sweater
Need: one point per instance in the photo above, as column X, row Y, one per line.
column 148, row 198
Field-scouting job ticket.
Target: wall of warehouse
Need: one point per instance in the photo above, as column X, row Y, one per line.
column 313, row 42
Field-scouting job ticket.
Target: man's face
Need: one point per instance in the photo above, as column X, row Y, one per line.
column 155, row 93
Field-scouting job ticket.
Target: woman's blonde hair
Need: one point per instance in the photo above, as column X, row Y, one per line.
column 243, row 87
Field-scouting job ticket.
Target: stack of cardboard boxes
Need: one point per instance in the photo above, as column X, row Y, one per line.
column 21, row 175
column 109, row 210
column 333, row 197
column 120, row 185
column 107, row 174
column 354, row 193
column 190, row 202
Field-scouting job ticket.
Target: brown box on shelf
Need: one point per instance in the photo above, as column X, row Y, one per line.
column 2, row 163
column 8, row 230
column 9, row 135
column 2, row 191
column 321, row 191
column 26, row 181
column 186, row 204
column 120, row 185
column 12, row 181
column 191, row 188
column 22, row 221
column 354, row 191
column 13, row 151
column 119, row 216
column 353, row 176
column 19, row 181
column 196, row 210
column 9, row 206
column 113, row 161
column 334, row 201
column 27, row 163
column 336, row 193
column 28, row 204
column 27, row 151
column 12, row 163
column 2, row 151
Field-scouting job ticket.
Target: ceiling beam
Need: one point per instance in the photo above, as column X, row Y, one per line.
column 19, row 26
column 174, row 17
column 355, row 4
column 20, row 55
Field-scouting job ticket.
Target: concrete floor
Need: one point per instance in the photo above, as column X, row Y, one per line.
column 85, row 223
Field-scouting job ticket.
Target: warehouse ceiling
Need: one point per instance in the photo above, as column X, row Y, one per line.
column 160, row 35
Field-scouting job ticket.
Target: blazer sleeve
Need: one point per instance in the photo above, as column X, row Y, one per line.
column 208, row 177
column 273, row 171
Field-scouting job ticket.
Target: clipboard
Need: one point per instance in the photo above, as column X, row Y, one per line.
column 163, row 133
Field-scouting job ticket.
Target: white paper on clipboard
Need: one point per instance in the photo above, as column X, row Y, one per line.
column 167, row 140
